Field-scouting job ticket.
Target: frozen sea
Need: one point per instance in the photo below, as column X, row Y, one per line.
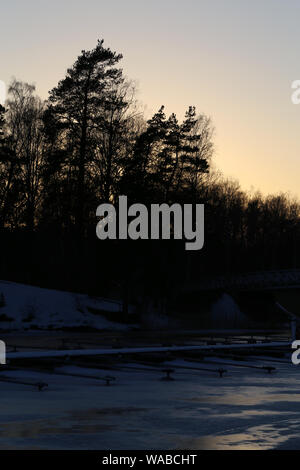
column 246, row 409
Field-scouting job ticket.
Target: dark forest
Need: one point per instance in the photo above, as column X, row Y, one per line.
column 89, row 143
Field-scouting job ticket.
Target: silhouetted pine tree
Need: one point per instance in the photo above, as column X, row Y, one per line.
column 79, row 108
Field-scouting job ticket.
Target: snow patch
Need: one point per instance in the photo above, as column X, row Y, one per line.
column 226, row 313
column 27, row 307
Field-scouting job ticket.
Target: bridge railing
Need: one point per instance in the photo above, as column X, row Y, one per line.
column 283, row 278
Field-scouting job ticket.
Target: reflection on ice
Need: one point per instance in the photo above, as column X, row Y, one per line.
column 197, row 411
column 263, row 437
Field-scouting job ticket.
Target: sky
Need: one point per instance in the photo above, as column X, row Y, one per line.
column 235, row 60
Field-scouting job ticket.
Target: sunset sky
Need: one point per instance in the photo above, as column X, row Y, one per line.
column 235, row 60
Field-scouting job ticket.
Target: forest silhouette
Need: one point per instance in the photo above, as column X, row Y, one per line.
column 88, row 144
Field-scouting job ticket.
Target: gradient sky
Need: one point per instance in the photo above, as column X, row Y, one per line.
column 235, row 60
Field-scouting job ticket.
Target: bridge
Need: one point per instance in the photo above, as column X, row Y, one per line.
column 284, row 285
column 252, row 281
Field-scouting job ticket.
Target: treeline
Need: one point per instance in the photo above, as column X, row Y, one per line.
column 88, row 144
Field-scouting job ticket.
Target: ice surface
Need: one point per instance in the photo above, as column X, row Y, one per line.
column 246, row 409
